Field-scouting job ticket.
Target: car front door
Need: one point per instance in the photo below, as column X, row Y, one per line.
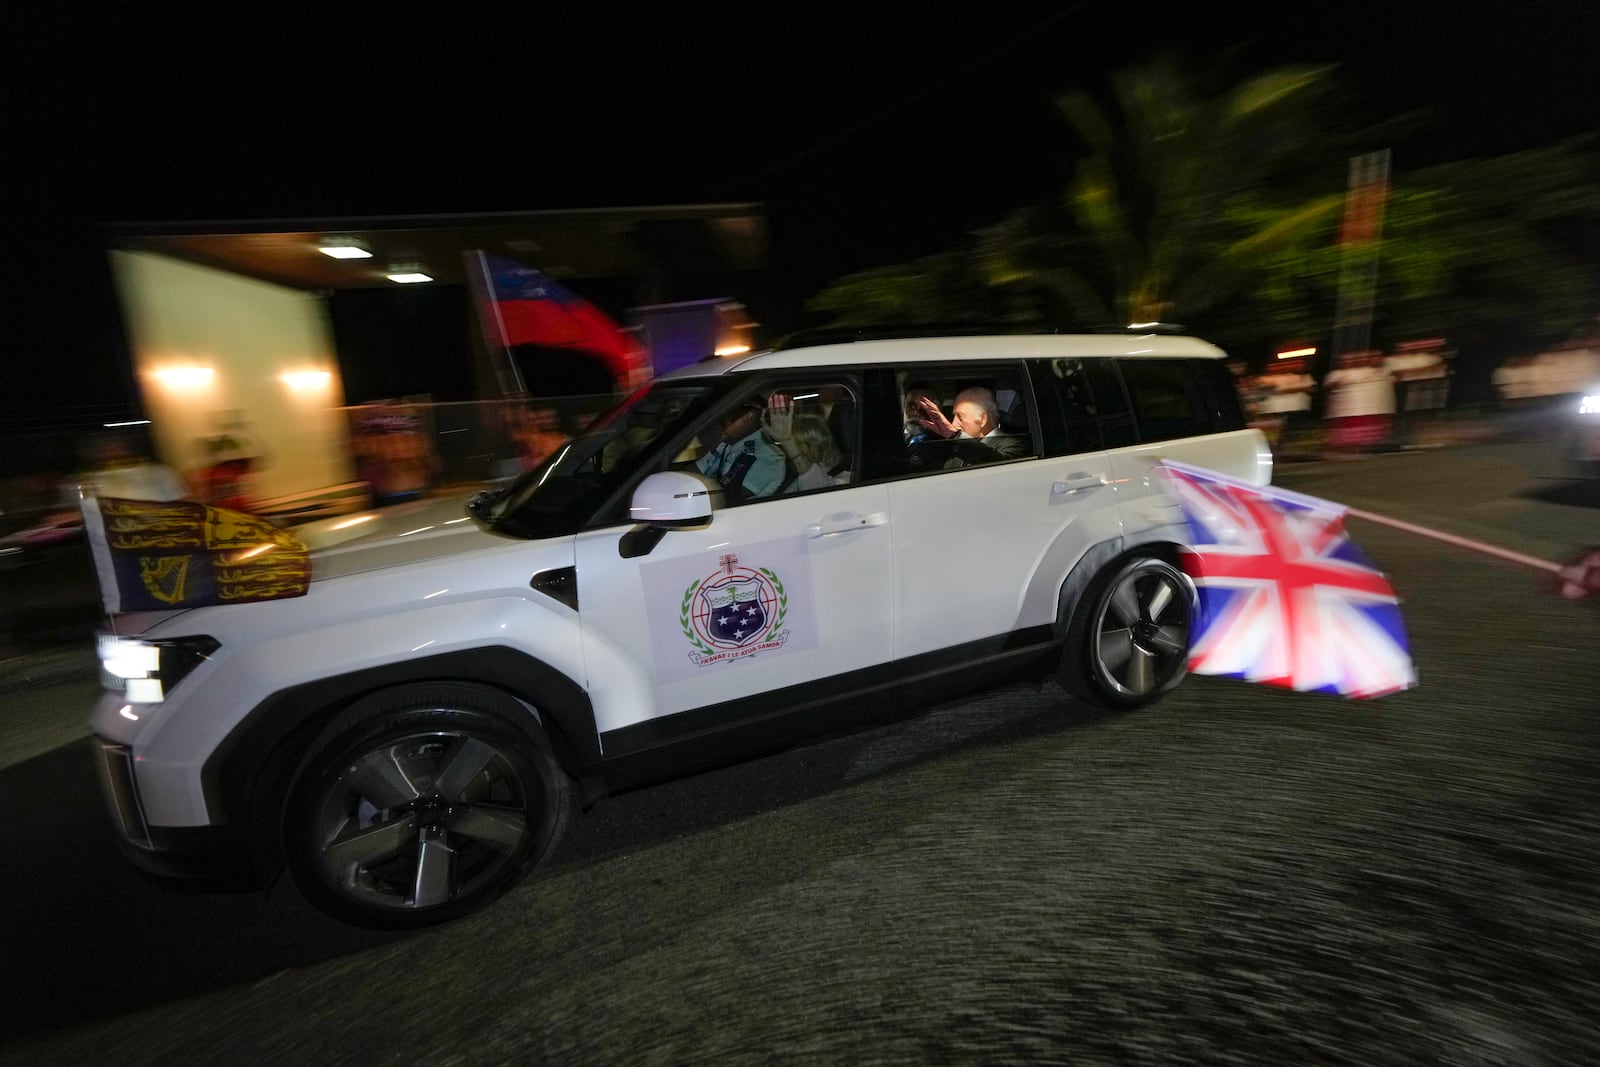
column 786, row 596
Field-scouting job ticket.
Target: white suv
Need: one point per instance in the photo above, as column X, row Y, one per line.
column 411, row 735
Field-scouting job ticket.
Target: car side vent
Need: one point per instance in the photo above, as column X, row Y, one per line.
column 561, row 584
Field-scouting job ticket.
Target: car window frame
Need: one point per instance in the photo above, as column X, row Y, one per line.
column 767, row 382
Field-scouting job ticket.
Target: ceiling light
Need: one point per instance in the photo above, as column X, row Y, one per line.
column 409, row 277
column 345, row 248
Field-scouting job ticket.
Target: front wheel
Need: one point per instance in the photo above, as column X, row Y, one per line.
column 422, row 804
column 1128, row 643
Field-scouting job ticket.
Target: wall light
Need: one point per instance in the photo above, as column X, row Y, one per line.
column 183, row 377
column 305, row 381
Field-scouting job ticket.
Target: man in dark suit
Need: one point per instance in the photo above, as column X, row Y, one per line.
column 977, row 418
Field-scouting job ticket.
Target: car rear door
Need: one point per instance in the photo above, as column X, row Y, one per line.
column 980, row 550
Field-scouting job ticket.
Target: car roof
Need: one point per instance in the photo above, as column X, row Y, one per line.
column 955, row 349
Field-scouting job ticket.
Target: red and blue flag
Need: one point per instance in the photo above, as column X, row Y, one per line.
column 525, row 306
column 1286, row 598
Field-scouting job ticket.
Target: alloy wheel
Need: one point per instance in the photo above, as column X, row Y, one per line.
column 418, row 820
column 1141, row 631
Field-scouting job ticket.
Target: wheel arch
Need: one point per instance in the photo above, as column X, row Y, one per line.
column 260, row 754
column 510, row 769
column 1165, row 542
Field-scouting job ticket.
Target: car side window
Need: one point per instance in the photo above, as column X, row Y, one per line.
column 1221, row 392
column 788, row 435
column 1093, row 409
column 955, row 416
column 1167, row 399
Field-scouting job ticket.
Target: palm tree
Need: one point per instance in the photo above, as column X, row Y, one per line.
column 1221, row 210
column 1175, row 201
column 1178, row 197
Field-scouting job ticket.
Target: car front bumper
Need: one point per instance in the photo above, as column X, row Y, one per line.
column 194, row 857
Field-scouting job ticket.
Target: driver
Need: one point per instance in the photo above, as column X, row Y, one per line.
column 745, row 462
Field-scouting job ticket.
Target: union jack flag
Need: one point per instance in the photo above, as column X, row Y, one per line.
column 1286, row 598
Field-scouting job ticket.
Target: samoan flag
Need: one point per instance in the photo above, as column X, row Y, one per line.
column 524, row 306
column 1286, row 598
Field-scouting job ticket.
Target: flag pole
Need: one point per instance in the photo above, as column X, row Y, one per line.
column 1461, row 542
column 494, row 326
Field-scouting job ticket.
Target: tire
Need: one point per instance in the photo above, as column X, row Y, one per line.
column 421, row 804
column 1128, row 642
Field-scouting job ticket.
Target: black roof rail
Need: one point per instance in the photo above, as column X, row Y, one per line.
column 1140, row 327
column 838, row 335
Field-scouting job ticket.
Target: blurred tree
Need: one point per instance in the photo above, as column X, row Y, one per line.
column 1168, row 211
column 1473, row 251
column 1221, row 210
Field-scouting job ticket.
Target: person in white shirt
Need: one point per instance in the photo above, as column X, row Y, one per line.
column 1360, row 402
column 124, row 474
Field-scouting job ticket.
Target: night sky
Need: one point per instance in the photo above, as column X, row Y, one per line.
column 870, row 139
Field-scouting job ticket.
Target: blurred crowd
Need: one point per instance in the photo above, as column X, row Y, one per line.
column 1556, row 373
column 1368, row 399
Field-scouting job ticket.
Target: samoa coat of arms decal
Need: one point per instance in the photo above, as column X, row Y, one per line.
column 733, row 612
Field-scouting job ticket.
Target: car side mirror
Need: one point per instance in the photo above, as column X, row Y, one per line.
column 669, row 500
column 673, row 500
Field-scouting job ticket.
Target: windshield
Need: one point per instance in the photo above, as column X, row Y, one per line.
column 563, row 493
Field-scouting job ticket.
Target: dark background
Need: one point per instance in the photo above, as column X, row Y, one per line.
column 870, row 138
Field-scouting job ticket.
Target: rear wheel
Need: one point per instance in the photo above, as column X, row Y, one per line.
column 1128, row 643
column 422, row 804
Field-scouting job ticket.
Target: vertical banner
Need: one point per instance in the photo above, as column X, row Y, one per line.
column 1358, row 243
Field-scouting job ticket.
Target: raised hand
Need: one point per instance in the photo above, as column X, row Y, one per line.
column 1582, row 578
column 778, row 419
column 927, row 412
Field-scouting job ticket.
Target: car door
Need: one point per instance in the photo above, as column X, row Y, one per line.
column 786, row 597
column 981, row 549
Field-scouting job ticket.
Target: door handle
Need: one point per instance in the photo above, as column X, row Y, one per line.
column 1076, row 482
column 842, row 524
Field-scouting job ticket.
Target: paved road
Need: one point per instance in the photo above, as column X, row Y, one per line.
column 1237, row 875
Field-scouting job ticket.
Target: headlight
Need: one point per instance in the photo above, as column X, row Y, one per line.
column 145, row 671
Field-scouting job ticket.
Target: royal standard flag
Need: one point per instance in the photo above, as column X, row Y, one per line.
column 1286, row 598
column 159, row 555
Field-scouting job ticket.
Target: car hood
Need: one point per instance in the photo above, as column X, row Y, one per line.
column 388, row 537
